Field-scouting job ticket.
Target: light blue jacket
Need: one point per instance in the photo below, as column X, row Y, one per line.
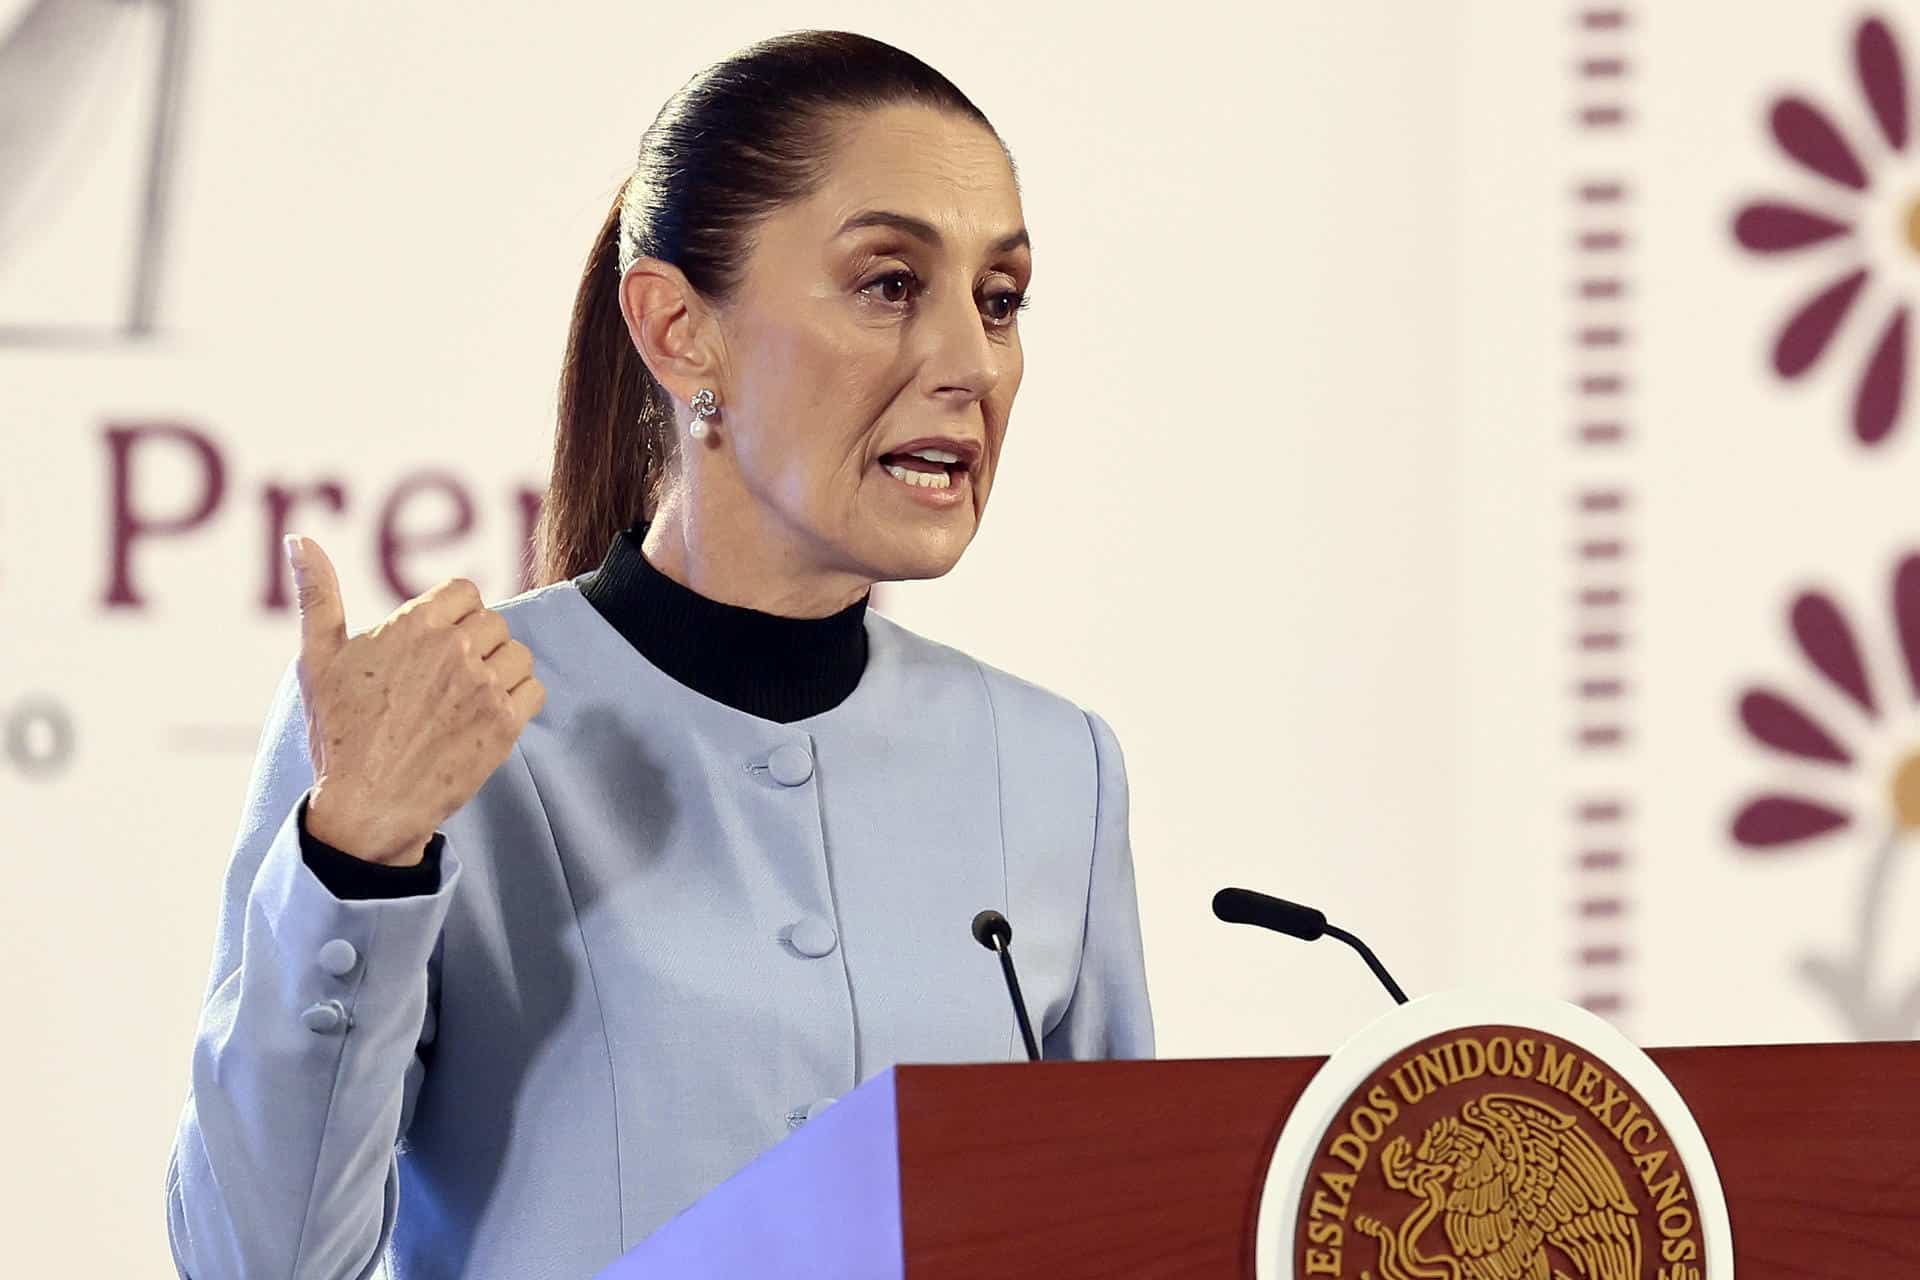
column 666, row 931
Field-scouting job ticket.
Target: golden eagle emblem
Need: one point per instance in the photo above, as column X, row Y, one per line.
column 1512, row 1178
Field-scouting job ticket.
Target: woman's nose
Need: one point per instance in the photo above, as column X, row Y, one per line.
column 963, row 356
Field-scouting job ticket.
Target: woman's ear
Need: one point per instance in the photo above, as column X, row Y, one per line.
column 671, row 327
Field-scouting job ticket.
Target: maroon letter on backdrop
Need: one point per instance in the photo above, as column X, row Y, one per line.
column 393, row 543
column 127, row 524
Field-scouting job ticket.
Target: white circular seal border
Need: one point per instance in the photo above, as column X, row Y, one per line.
column 1430, row 1015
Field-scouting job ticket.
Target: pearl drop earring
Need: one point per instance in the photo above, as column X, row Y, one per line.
column 704, row 405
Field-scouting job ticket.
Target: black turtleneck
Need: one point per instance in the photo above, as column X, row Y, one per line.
column 774, row 667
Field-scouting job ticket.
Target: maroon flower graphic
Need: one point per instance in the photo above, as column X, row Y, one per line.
column 1867, row 778
column 1876, row 221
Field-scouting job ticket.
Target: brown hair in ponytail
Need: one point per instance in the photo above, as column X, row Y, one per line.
column 613, row 415
column 736, row 142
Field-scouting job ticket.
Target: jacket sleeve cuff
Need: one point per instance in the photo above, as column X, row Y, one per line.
column 347, row 877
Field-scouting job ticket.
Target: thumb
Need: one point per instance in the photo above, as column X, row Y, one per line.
column 323, row 618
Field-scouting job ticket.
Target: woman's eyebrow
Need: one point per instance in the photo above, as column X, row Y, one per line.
column 921, row 229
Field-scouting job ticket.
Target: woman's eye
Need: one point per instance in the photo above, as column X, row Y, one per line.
column 903, row 278
column 1008, row 302
column 897, row 287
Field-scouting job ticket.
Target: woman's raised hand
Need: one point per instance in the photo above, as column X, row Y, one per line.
column 406, row 722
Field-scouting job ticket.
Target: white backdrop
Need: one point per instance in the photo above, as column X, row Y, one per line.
column 1296, row 491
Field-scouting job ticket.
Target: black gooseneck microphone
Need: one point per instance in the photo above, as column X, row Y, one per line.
column 991, row 930
column 1244, row 906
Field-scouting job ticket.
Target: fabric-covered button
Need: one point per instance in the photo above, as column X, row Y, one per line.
column 800, row 1115
column 790, row 764
column 338, row 957
column 813, row 937
column 327, row 1017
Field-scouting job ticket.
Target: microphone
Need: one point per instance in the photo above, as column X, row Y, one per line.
column 1244, row 906
column 991, row 930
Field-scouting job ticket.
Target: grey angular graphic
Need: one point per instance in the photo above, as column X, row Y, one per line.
column 51, row 58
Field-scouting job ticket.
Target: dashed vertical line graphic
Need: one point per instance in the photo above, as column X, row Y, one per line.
column 1601, row 552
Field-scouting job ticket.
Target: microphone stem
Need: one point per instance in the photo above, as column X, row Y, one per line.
column 1019, row 1002
column 1373, row 962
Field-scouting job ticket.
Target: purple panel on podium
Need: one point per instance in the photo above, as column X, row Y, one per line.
column 822, row 1204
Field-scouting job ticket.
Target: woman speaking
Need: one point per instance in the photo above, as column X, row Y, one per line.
column 542, row 920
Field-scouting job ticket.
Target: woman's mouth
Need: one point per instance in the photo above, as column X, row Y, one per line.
column 935, row 476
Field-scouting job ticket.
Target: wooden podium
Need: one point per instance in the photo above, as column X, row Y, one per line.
column 1118, row 1169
